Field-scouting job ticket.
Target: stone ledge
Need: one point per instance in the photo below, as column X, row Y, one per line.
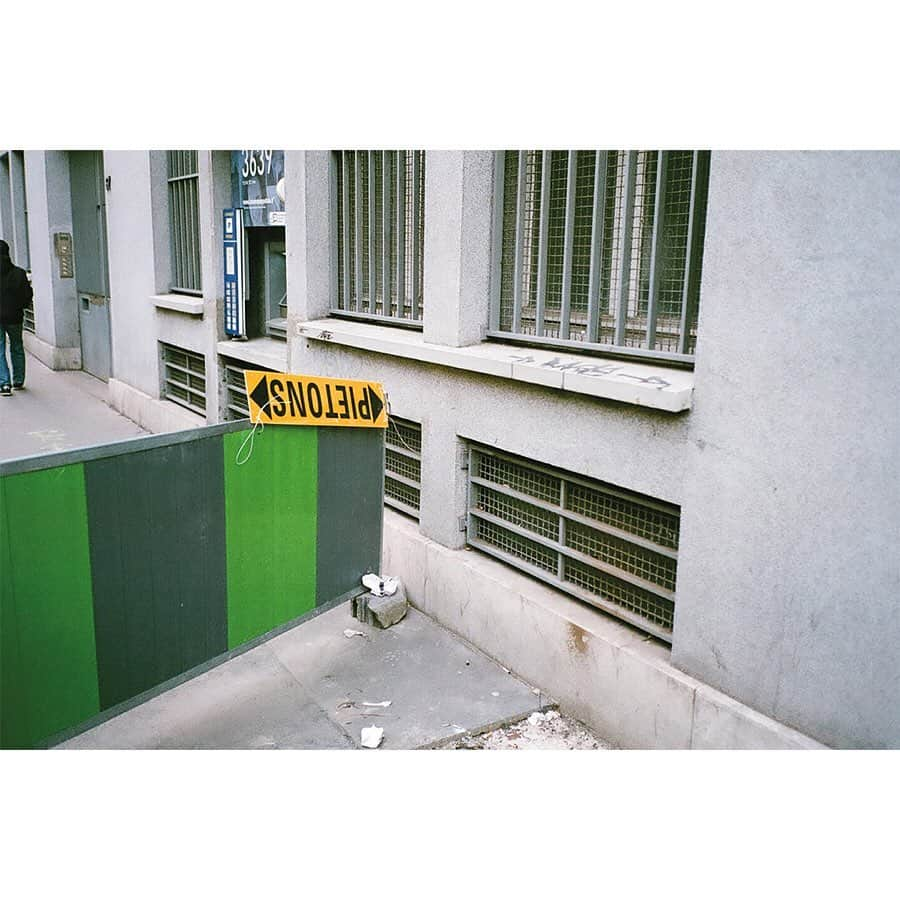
column 192, row 306
column 641, row 384
column 264, row 351
column 155, row 416
column 57, row 358
column 603, row 672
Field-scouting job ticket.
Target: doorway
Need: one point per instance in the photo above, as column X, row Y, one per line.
column 91, row 260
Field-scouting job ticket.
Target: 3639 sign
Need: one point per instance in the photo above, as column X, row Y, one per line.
column 258, row 177
column 276, row 398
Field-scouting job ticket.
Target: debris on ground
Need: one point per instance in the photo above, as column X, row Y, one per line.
column 540, row 731
column 384, row 604
column 382, row 703
column 349, row 633
column 371, row 737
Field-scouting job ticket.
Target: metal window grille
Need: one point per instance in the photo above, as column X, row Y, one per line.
column 184, row 220
column 403, row 465
column 236, row 405
column 615, row 549
column 600, row 250
column 185, row 378
column 380, row 234
column 28, row 314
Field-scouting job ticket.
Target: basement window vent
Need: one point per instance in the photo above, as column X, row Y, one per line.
column 185, row 378
column 615, row 549
column 403, row 465
column 28, row 319
column 236, row 405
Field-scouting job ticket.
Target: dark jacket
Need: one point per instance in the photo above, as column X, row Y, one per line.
column 15, row 292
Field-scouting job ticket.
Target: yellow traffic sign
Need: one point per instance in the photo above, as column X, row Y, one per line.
column 277, row 398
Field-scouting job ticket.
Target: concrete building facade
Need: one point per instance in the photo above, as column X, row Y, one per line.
column 645, row 405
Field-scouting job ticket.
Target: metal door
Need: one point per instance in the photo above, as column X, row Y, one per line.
column 91, row 262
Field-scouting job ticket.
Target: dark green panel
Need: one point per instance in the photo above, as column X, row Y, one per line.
column 270, row 526
column 14, row 731
column 351, row 476
column 50, row 675
column 157, row 529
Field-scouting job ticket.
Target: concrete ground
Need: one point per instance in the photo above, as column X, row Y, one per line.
column 58, row 411
column 313, row 687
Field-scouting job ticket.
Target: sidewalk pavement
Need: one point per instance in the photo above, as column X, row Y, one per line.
column 58, row 411
column 313, row 687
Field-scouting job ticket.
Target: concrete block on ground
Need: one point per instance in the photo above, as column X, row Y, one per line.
column 382, row 612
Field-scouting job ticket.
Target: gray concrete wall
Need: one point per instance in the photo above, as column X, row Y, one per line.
column 132, row 275
column 7, row 231
column 789, row 571
column 19, row 200
column 50, row 211
column 138, row 218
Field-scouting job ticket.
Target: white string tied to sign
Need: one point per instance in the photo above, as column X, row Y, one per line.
column 258, row 425
column 393, row 425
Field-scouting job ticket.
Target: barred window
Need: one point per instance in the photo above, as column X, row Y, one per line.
column 600, row 249
column 403, row 465
column 184, row 380
column 615, row 549
column 379, row 204
column 184, row 220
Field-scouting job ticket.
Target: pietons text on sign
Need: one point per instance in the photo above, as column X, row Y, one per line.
column 277, row 398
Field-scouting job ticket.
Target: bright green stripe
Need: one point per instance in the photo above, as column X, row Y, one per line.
column 270, row 529
column 50, row 675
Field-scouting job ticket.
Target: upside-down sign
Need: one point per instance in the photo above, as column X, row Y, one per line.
column 280, row 399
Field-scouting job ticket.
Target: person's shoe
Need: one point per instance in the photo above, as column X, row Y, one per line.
column 5, row 390
column 18, row 387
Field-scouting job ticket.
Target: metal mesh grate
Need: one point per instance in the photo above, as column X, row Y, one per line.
column 588, row 262
column 526, row 480
column 623, row 555
column 184, row 220
column 635, row 517
column 517, row 512
column 236, row 405
column 657, row 610
column 515, row 545
column 403, row 465
column 379, row 200
column 612, row 547
column 185, row 378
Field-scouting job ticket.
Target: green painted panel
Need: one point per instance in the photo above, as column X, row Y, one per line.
column 50, row 679
column 270, row 529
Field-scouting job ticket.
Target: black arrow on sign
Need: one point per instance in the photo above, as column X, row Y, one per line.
column 375, row 403
column 260, row 394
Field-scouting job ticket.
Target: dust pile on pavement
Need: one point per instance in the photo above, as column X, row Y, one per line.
column 540, row 731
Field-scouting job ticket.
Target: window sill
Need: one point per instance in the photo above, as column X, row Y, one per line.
column 192, row 306
column 270, row 353
column 641, row 384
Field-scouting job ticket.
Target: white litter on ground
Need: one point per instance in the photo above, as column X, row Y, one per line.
column 371, row 737
column 349, row 632
column 540, row 731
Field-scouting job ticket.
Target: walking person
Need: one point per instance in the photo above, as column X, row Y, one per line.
column 15, row 295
